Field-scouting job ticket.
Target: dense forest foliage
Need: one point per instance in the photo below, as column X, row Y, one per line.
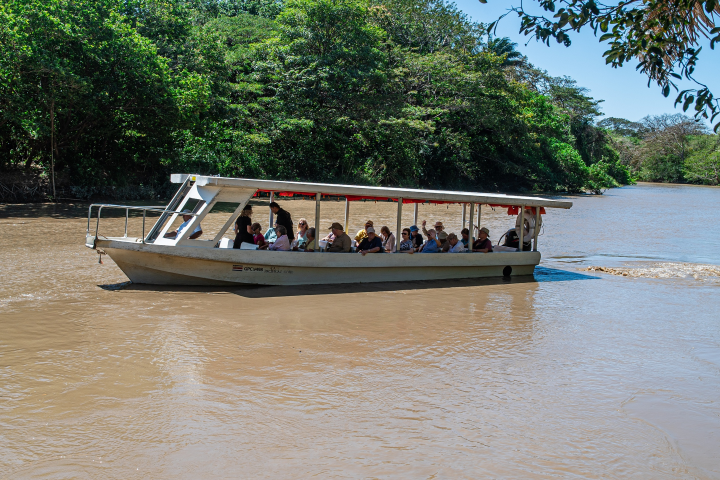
column 101, row 96
column 667, row 148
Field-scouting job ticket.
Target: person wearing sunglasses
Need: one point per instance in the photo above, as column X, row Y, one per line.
column 432, row 244
column 406, row 243
column 300, row 238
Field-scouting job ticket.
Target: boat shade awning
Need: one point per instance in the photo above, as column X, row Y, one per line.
column 361, row 192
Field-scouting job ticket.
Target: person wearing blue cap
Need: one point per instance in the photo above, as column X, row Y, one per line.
column 417, row 238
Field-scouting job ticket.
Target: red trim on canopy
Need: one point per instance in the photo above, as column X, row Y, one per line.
column 353, row 198
column 512, row 210
column 515, row 210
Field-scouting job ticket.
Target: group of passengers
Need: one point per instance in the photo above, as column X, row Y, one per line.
column 281, row 237
column 439, row 241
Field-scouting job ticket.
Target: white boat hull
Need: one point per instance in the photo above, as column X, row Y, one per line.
column 177, row 265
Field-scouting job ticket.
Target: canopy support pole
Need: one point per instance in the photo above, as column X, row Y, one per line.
column 317, row 222
column 272, row 199
column 479, row 213
column 472, row 229
column 537, row 228
column 521, row 243
column 464, row 216
column 347, row 213
column 415, row 215
column 399, row 225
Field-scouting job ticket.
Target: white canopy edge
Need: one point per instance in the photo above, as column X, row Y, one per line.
column 360, row 190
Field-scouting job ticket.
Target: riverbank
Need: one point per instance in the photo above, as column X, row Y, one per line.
column 19, row 189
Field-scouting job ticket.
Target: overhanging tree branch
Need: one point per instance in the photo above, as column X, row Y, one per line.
column 662, row 35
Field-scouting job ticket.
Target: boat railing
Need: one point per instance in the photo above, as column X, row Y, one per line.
column 144, row 209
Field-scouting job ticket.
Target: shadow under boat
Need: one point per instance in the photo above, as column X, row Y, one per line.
column 541, row 275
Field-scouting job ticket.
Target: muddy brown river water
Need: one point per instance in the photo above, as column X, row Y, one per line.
column 573, row 373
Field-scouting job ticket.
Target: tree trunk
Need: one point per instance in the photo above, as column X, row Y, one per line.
column 52, row 146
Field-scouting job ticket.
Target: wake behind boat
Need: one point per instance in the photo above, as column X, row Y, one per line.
column 156, row 259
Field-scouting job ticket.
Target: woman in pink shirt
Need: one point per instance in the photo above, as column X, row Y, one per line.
column 282, row 243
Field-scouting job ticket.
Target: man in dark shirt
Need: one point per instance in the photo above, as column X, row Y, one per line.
column 483, row 243
column 283, row 218
column 371, row 244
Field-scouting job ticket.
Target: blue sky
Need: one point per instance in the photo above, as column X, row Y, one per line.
column 624, row 90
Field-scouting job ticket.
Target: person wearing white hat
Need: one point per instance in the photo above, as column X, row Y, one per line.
column 371, row 244
column 186, row 221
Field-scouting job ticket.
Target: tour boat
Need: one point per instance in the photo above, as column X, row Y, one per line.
column 154, row 259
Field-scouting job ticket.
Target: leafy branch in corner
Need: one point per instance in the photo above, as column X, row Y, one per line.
column 662, row 35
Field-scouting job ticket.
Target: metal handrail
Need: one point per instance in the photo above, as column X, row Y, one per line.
column 127, row 208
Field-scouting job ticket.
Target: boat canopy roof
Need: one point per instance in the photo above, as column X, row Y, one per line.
column 361, row 192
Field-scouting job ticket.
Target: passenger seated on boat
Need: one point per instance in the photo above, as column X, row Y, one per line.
column 282, row 243
column 243, row 227
column 341, row 242
column 186, row 221
column 371, row 244
column 465, row 233
column 483, row 243
column 440, row 233
column 362, row 233
column 417, row 239
column 329, row 238
column 283, row 218
column 271, row 234
column 258, row 238
column 432, row 245
column 388, row 240
column 456, row 246
column 300, row 238
column 309, row 244
column 406, row 244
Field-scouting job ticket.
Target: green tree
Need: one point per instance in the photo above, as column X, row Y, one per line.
column 703, row 163
column 401, row 92
column 428, row 26
column 504, row 47
column 622, row 127
column 666, row 146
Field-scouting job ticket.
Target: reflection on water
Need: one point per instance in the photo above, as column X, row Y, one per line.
column 570, row 373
